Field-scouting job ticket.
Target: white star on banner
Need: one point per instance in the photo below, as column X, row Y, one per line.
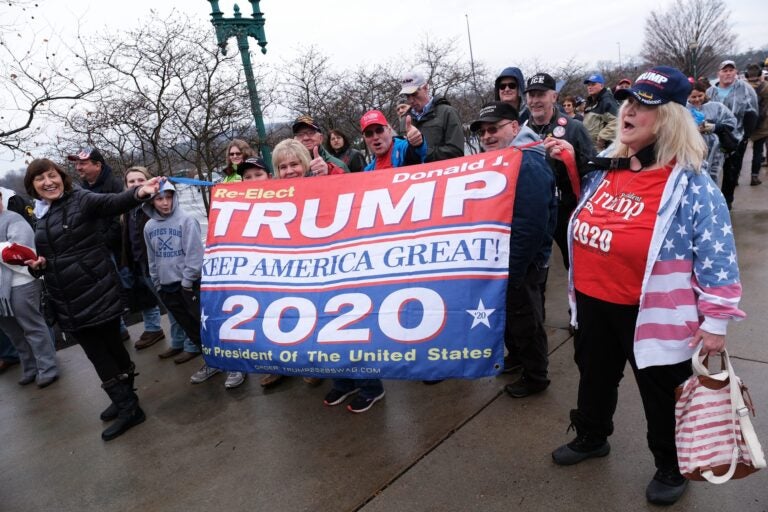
column 722, row 275
column 732, row 258
column 480, row 315
column 203, row 319
column 718, row 246
column 707, row 263
column 681, row 230
column 726, row 229
column 669, row 245
column 695, row 188
column 707, row 235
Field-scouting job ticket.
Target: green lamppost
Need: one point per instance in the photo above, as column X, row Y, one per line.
column 694, row 46
column 242, row 28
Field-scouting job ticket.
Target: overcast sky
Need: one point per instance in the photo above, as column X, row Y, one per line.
column 351, row 32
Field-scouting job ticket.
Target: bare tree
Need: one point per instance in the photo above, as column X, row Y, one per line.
column 311, row 87
column 689, row 34
column 174, row 101
column 37, row 73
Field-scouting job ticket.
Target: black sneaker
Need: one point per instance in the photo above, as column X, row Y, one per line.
column 524, row 387
column 363, row 403
column 755, row 181
column 666, row 487
column 336, row 397
column 581, row 448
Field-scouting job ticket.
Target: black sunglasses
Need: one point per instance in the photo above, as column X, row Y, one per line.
column 491, row 129
column 508, row 85
column 370, row 131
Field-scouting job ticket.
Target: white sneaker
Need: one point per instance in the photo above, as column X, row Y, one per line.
column 203, row 374
column 234, row 379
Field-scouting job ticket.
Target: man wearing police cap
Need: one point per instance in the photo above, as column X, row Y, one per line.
column 547, row 121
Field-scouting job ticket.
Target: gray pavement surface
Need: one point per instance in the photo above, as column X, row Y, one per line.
column 455, row 446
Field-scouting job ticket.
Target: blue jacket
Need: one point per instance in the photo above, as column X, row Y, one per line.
column 535, row 211
column 403, row 154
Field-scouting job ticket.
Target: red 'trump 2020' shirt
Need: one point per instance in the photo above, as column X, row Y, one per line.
column 612, row 233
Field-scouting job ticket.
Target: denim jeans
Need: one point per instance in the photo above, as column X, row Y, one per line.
column 151, row 317
column 369, row 388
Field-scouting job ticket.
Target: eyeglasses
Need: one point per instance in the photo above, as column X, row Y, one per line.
column 508, row 85
column 369, row 132
column 235, row 154
column 491, row 129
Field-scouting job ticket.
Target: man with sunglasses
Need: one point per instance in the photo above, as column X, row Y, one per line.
column 510, row 88
column 547, row 121
column 387, row 149
column 533, row 225
column 435, row 118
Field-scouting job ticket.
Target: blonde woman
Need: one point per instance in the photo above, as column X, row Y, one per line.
column 653, row 272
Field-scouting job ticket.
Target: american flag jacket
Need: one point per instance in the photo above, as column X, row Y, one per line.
column 691, row 278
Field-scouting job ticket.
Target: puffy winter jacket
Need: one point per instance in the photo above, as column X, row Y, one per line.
column 80, row 275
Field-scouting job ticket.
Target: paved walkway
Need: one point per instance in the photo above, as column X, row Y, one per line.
column 456, row 446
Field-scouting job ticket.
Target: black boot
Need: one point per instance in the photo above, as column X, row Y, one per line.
column 129, row 413
column 591, row 441
column 111, row 412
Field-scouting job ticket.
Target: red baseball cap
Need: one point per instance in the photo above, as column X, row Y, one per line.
column 372, row 117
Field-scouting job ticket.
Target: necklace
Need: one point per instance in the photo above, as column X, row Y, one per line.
column 618, row 193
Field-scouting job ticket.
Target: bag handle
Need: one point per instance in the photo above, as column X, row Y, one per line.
column 741, row 411
column 738, row 410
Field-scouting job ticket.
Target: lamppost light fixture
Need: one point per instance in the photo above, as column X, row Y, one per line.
column 241, row 29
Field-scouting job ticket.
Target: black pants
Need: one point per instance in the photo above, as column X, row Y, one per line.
column 185, row 308
column 524, row 333
column 732, row 170
column 105, row 349
column 757, row 155
column 603, row 345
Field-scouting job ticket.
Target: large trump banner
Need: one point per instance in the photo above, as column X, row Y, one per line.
column 397, row 274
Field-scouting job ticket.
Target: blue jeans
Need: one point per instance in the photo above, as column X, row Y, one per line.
column 369, row 388
column 7, row 350
column 151, row 317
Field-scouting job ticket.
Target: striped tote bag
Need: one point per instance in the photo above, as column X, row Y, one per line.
column 714, row 435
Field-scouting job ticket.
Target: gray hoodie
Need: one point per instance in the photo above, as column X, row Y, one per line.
column 174, row 247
